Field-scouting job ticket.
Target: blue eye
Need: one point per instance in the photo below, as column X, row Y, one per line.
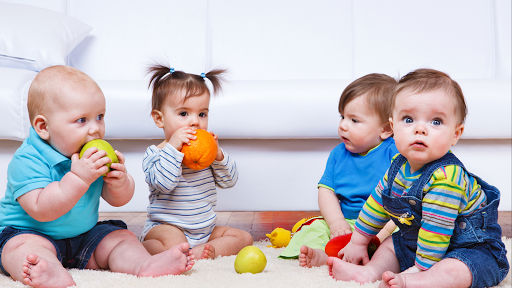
column 81, row 120
column 100, row 117
column 183, row 113
column 408, row 120
column 436, row 122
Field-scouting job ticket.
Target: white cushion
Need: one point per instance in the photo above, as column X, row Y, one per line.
column 14, row 85
column 34, row 38
column 395, row 37
column 282, row 40
column 54, row 5
column 293, row 109
column 128, row 35
column 503, row 27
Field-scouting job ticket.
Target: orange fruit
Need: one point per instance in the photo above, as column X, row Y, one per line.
column 201, row 152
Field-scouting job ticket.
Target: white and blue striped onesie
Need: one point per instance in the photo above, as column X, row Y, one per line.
column 183, row 197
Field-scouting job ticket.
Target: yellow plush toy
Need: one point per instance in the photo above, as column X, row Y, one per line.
column 279, row 237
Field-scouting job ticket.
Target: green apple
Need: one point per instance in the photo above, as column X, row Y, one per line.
column 101, row 145
column 250, row 259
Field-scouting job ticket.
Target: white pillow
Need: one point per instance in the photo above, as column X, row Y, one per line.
column 34, row 38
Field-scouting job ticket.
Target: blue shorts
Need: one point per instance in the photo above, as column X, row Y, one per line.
column 72, row 252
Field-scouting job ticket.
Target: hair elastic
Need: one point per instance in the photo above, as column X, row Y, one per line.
column 171, row 70
column 203, row 75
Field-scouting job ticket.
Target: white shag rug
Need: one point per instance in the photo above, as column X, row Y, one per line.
column 221, row 273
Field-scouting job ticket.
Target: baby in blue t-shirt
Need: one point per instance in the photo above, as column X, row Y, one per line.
column 355, row 166
column 49, row 214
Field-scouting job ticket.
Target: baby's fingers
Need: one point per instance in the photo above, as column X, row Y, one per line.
column 120, row 157
column 214, row 135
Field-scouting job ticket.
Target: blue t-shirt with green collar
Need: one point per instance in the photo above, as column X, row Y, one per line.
column 35, row 165
column 353, row 176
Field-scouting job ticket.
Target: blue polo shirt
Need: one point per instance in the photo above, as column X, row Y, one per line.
column 353, row 177
column 35, row 165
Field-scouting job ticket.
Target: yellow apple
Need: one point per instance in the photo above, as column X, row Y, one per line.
column 101, row 145
column 250, row 259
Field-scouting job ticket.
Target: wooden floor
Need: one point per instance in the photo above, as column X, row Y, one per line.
column 261, row 223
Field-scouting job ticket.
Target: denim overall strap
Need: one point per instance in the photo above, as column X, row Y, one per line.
column 416, row 189
column 394, row 168
column 399, row 208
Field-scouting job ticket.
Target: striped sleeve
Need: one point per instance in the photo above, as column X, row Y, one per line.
column 162, row 167
column 373, row 216
column 225, row 172
column 448, row 194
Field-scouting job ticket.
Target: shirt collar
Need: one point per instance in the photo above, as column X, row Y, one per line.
column 46, row 150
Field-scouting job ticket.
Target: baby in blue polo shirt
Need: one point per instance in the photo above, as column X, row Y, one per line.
column 355, row 166
column 49, row 214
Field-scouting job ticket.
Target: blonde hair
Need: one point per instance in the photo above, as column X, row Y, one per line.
column 48, row 83
column 378, row 89
column 425, row 80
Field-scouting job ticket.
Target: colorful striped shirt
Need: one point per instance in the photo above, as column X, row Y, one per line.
column 184, row 197
column 450, row 192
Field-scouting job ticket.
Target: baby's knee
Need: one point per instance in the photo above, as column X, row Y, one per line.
column 122, row 234
column 245, row 238
column 27, row 240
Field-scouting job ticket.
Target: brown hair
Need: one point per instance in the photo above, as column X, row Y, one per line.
column 424, row 80
column 167, row 82
column 379, row 90
column 47, row 84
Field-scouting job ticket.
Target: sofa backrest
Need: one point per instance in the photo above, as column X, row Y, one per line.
column 292, row 39
column 268, row 44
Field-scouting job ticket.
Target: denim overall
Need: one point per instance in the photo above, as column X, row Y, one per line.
column 476, row 239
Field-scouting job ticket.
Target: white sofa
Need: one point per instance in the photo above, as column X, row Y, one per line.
column 289, row 60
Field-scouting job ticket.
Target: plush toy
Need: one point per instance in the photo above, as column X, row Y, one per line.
column 304, row 221
column 339, row 242
column 280, row 237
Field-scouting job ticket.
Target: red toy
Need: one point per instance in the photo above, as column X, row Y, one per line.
column 339, row 242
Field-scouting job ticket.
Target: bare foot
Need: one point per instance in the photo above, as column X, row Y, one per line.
column 205, row 251
column 174, row 261
column 37, row 272
column 208, row 252
column 310, row 257
column 392, row 280
column 341, row 270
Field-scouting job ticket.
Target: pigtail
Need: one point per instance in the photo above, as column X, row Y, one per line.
column 166, row 82
column 157, row 71
column 216, row 76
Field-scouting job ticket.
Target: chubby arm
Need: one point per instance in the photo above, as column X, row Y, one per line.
column 224, row 171
column 162, row 167
column 119, row 185
column 331, row 211
column 59, row 197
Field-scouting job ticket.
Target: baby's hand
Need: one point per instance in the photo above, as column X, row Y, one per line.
column 354, row 253
column 91, row 165
column 117, row 176
column 220, row 155
column 340, row 228
column 182, row 137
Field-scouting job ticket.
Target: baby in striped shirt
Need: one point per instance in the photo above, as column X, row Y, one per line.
column 182, row 201
column 449, row 235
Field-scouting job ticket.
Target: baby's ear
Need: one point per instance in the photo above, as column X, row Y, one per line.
column 458, row 133
column 386, row 131
column 158, row 117
column 40, row 124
